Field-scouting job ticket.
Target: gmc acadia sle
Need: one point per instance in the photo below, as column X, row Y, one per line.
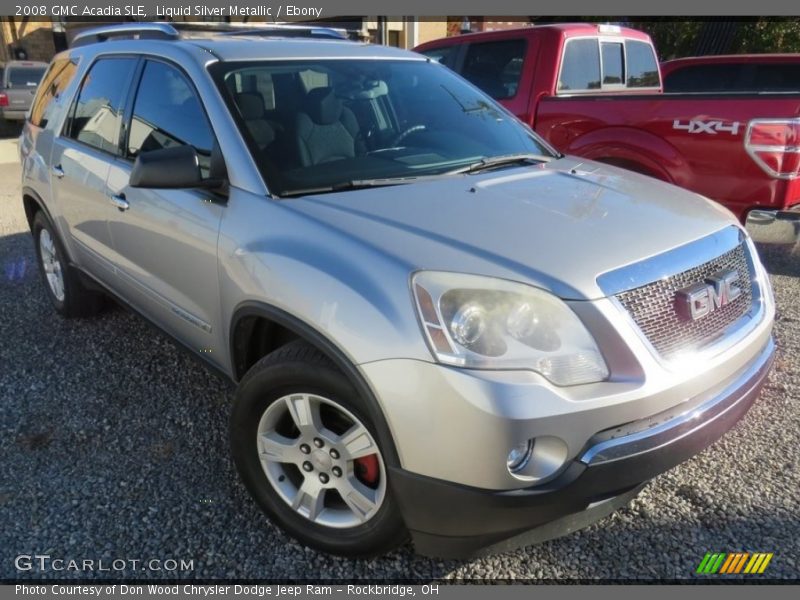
column 440, row 327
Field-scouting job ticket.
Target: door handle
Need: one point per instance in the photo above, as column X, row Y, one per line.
column 58, row 171
column 120, row 202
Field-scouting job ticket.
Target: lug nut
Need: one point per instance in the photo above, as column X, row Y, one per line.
column 323, row 478
column 307, row 466
column 304, row 448
column 334, row 453
column 337, row 471
column 318, row 443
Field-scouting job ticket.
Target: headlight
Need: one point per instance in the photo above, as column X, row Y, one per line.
column 485, row 323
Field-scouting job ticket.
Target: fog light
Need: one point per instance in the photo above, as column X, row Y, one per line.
column 519, row 456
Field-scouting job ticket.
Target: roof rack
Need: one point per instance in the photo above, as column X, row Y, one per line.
column 176, row 31
column 188, row 29
column 137, row 31
column 293, row 31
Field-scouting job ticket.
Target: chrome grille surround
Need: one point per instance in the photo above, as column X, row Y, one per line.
column 645, row 293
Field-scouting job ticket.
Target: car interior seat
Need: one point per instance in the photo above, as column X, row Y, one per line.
column 325, row 130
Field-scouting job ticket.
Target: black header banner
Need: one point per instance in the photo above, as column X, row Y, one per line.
column 321, row 9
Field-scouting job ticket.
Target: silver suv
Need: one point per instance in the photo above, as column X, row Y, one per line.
column 440, row 327
column 18, row 82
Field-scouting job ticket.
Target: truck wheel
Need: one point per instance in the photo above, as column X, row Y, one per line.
column 310, row 457
column 62, row 283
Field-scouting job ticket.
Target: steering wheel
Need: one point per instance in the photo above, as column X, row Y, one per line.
column 406, row 133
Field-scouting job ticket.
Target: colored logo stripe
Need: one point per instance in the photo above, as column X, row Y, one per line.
column 728, row 562
column 711, row 562
column 758, row 563
column 734, row 562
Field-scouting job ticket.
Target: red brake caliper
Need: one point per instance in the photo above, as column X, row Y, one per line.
column 367, row 470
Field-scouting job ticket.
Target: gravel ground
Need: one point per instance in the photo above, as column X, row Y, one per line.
column 114, row 446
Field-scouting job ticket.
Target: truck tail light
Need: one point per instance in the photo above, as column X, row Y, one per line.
column 775, row 146
column 3, row 99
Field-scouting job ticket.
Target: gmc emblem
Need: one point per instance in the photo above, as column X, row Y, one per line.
column 703, row 298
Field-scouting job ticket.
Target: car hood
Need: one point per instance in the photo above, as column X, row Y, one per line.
column 557, row 225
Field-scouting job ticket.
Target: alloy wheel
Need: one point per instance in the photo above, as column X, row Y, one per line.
column 322, row 460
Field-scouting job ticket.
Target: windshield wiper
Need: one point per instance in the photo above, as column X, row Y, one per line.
column 502, row 161
column 355, row 184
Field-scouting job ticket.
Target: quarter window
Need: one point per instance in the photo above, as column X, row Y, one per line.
column 580, row 69
column 57, row 79
column 167, row 113
column 96, row 115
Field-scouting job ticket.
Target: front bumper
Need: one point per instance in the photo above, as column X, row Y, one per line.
column 13, row 115
column 452, row 520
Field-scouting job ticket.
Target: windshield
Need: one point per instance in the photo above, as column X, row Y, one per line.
column 321, row 125
column 25, row 76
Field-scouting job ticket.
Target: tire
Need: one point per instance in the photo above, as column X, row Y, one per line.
column 70, row 298
column 298, row 375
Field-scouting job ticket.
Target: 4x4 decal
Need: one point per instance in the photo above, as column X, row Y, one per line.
column 712, row 127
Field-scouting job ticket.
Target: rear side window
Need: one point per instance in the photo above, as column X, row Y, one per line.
column 495, row 67
column 96, row 114
column 25, row 76
column 55, row 82
column 580, row 69
column 642, row 66
column 167, row 113
column 613, row 63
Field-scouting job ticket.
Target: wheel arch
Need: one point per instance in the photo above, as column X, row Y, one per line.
column 32, row 202
column 249, row 316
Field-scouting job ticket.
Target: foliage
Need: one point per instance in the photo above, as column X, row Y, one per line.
column 675, row 39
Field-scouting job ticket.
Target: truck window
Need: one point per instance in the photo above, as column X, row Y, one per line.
column 60, row 75
column 442, row 55
column 495, row 67
column 642, row 65
column 613, row 63
column 580, row 67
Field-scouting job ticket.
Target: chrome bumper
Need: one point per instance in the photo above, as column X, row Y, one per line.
column 689, row 419
column 774, row 226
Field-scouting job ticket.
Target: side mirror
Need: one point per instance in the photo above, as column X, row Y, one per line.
column 175, row 167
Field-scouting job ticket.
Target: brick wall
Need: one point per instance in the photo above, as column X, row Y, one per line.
column 35, row 37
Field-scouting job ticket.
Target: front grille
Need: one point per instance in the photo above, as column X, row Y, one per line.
column 652, row 306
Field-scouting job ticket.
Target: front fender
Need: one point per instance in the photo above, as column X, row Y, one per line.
column 352, row 294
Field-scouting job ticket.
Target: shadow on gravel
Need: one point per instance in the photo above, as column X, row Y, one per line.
column 781, row 260
column 10, row 129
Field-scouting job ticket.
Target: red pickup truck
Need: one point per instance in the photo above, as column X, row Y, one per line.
column 595, row 91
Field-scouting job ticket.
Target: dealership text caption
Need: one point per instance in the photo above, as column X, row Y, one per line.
column 271, row 11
